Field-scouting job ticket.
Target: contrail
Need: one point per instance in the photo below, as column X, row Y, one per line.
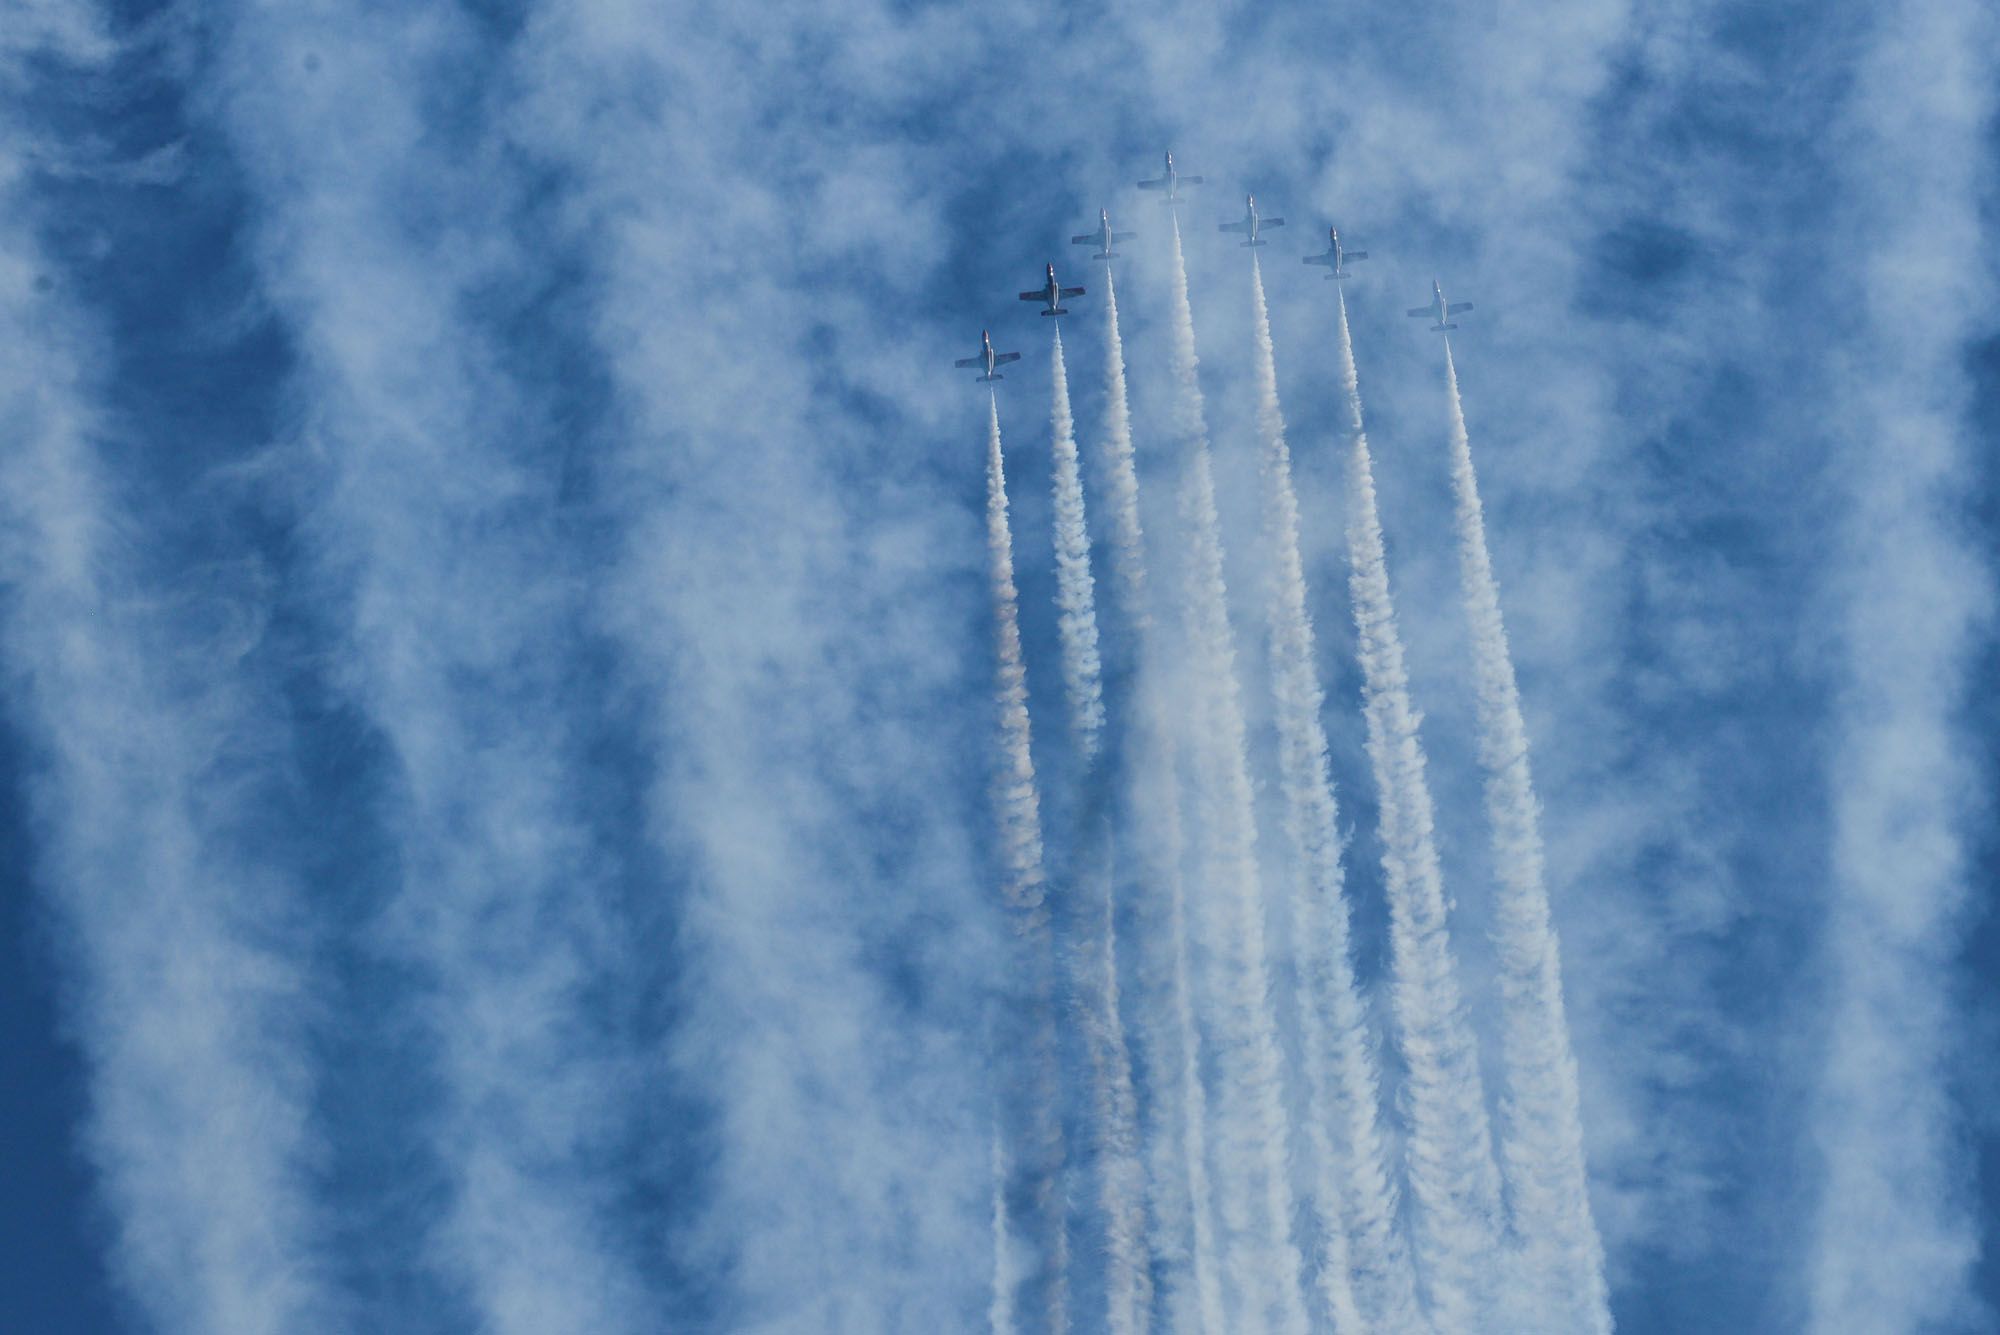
column 1541, row 1130
column 1019, row 809
column 1450, row 1148
column 1252, row 1148
column 1364, row 1268
column 1075, row 595
column 1177, row 1143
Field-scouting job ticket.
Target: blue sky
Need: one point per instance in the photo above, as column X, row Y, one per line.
column 497, row 652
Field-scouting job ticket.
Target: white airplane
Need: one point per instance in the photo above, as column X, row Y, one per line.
column 987, row 359
column 1102, row 237
column 1171, row 182
column 1053, row 292
column 1438, row 310
column 1336, row 258
column 1251, row 222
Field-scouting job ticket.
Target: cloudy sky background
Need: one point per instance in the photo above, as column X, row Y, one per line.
column 498, row 666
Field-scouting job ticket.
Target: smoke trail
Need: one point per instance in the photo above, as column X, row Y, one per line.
column 440, row 526
column 1001, row 1314
column 154, row 758
column 1364, row 1269
column 1020, row 817
column 1255, row 1191
column 1075, row 596
column 1177, row 1141
column 1128, row 538
column 1541, row 1137
column 1122, row 1181
column 1450, row 1149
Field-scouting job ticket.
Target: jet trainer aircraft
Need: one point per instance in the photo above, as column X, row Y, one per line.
column 1053, row 292
column 987, row 359
column 1171, row 182
column 1438, row 310
column 1251, row 222
column 1102, row 237
column 1335, row 258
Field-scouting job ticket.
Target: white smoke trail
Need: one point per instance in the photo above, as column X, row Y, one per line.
column 438, row 525
column 1177, row 1142
column 143, row 748
column 1122, row 1180
column 1252, row 1148
column 1075, row 594
column 1541, row 1134
column 1001, row 1315
column 1364, row 1269
column 1019, row 809
column 1128, row 537
column 1450, row 1149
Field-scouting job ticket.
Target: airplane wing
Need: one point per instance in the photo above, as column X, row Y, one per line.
column 1072, row 291
column 1160, row 184
column 1002, row 358
column 1274, row 222
column 1319, row 259
column 1457, row 306
column 1124, row 236
column 1034, row 296
column 1190, row 180
column 1083, row 240
column 1354, row 254
column 1233, row 227
column 1414, row 310
column 970, row 361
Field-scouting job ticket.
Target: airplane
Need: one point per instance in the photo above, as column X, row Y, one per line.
column 1102, row 237
column 1438, row 310
column 1053, row 292
column 1335, row 257
column 1171, row 182
column 1251, row 222
column 988, row 359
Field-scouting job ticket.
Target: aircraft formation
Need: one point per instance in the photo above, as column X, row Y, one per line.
column 1335, row 259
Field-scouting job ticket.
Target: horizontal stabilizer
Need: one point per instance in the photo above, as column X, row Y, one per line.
column 1072, row 291
column 1457, row 306
column 1083, row 240
column 989, row 379
column 970, row 361
column 1105, row 255
column 1415, row 310
column 1354, row 254
column 1248, row 244
column 1064, row 310
column 1440, row 328
column 1001, row 358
